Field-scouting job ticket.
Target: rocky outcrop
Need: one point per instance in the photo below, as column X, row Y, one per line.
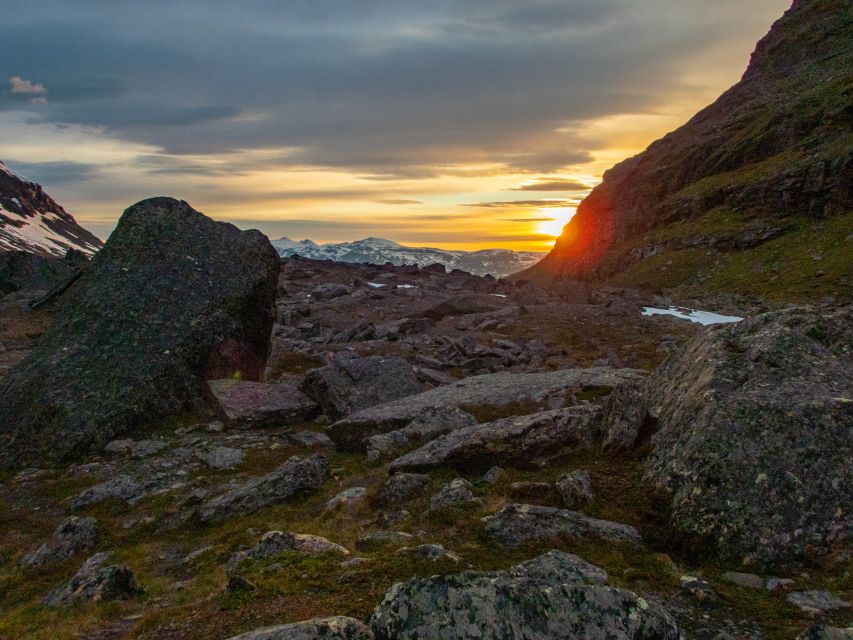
column 775, row 150
column 549, row 597
column 516, row 524
column 72, row 536
column 432, row 423
column 275, row 542
column 754, row 436
column 349, row 385
column 244, row 404
column 174, row 298
column 95, row 581
column 335, row 628
column 547, row 390
column 519, row 441
column 295, row 477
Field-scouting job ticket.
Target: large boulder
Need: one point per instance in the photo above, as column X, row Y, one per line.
column 755, row 434
column 173, row 299
column 521, row 441
column 244, row 404
column 549, row 597
column 545, row 390
column 347, row 386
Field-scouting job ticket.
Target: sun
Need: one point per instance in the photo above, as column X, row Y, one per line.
column 554, row 219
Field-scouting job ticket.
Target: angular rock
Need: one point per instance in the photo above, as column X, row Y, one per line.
column 516, row 524
column 312, row 439
column 429, row 552
column 347, row 386
column 173, row 298
column 454, row 494
column 516, row 604
column 246, row 405
column 566, row 566
column 293, row 478
column 749, row 580
column 519, row 441
column 624, row 417
column 402, row 487
column 574, row 489
column 329, row 291
column 275, row 542
column 377, row 539
column 135, row 448
column 697, row 587
column 546, row 390
column 336, row 628
column 121, row 487
column 493, row 475
column 754, row 436
column 222, row 458
column 71, row 536
column 347, row 497
column 817, row 601
column 95, row 582
column 432, row 423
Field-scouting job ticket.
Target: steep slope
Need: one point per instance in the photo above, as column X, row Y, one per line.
column 30, row 220
column 497, row 262
column 752, row 195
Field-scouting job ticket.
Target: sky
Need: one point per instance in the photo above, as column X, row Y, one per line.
column 453, row 123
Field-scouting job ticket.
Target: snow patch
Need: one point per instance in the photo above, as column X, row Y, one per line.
column 694, row 315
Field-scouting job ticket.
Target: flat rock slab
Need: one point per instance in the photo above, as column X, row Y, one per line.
column 535, row 600
column 336, row 628
column 817, row 601
column 516, row 524
column 545, row 389
column 518, row 441
column 245, row 405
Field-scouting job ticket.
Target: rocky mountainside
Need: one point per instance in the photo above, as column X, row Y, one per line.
column 753, row 195
column 497, row 262
column 31, row 221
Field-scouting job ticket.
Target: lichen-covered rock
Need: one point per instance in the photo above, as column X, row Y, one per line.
column 517, row 605
column 624, row 416
column 121, row 487
column 432, row 423
column 244, row 404
column 567, row 566
column 347, row 386
column 520, row 441
column 336, row 628
column 547, row 389
column 275, row 542
column 429, row 552
column 516, row 524
column 455, row 494
column 95, row 582
column 71, row 536
column 755, row 433
column 293, row 478
column 172, row 299
column 403, row 486
column 574, row 489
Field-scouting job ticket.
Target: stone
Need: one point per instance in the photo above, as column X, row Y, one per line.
column 293, row 478
column 624, row 417
column 754, row 436
column 432, row 423
column 246, row 405
column 517, row 604
column 72, row 536
column 817, row 601
column 172, row 299
column 378, row 539
column 276, row 542
column 493, row 475
column 697, row 587
column 567, row 566
column 402, row 487
column 97, row 582
column 121, row 487
column 455, row 494
column 336, row 628
column 520, row 441
column 312, row 440
column 574, row 489
column 135, row 448
column 222, row 458
column 347, row 386
column 346, row 498
column 462, row 305
column 329, row 291
column 428, row 552
column 516, row 524
column 824, row 632
column 546, row 390
column 749, row 580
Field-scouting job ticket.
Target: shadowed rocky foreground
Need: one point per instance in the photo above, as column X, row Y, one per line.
column 421, row 454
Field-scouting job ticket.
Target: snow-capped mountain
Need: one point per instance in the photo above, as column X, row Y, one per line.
column 498, row 262
column 30, row 220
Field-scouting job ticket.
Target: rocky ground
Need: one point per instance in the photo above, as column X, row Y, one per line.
column 442, row 433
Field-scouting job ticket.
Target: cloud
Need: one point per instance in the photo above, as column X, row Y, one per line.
column 397, row 201
column 553, row 185
column 38, row 92
column 50, row 174
column 521, row 204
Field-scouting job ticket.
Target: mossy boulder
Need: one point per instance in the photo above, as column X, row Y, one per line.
column 173, row 299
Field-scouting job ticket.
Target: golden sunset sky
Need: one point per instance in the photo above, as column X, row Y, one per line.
column 457, row 124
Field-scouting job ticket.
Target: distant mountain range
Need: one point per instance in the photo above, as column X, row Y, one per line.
column 30, row 220
column 498, row 262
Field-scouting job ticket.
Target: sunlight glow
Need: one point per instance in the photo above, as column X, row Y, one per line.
column 554, row 226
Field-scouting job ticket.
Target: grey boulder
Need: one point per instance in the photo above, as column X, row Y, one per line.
column 95, row 581
column 244, row 404
column 574, row 489
column 275, row 542
column 71, row 536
